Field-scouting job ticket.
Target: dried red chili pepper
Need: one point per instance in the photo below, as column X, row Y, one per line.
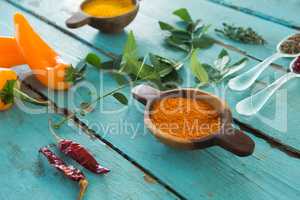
column 78, row 153
column 69, row 171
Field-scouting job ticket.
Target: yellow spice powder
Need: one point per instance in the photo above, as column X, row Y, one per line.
column 108, row 8
column 185, row 117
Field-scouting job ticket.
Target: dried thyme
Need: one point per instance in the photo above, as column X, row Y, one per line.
column 241, row 34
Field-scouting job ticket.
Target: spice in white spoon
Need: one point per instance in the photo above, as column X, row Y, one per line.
column 296, row 66
column 291, row 45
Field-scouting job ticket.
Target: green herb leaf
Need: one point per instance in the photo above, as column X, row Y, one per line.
column 172, row 80
column 165, row 26
column 179, row 41
column 222, row 68
column 93, row 60
column 7, row 93
column 203, row 42
column 214, row 74
column 162, row 68
column 241, row 61
column 74, row 75
column 121, row 79
column 174, row 64
column 130, row 49
column 239, row 65
column 181, row 35
column 183, row 14
column 198, row 69
column 222, row 61
column 223, row 53
column 147, row 72
column 121, row 98
column 192, row 26
column 171, row 42
column 201, row 31
column 70, row 75
column 112, row 64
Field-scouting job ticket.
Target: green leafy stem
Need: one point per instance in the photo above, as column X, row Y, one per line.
column 159, row 71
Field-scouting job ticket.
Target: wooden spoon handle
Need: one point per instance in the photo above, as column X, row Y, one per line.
column 144, row 93
column 77, row 20
column 236, row 142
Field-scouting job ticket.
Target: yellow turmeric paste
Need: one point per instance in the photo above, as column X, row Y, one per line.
column 185, row 117
column 108, row 8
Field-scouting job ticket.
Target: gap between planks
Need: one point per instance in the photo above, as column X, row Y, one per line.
column 258, row 14
column 275, row 143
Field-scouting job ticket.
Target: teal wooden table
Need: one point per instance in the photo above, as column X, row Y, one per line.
column 143, row 168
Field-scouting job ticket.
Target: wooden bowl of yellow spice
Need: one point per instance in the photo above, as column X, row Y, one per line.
column 108, row 16
column 191, row 119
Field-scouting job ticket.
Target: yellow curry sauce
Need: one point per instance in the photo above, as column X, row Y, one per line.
column 108, row 8
column 185, row 117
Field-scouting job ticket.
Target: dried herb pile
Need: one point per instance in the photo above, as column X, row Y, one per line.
column 241, row 34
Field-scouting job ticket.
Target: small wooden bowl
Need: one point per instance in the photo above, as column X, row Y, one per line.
column 104, row 24
column 228, row 138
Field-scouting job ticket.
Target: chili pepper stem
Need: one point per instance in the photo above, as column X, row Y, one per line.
column 53, row 132
column 83, row 184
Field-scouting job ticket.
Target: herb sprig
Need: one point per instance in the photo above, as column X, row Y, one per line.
column 193, row 35
column 241, row 34
column 160, row 71
column 218, row 71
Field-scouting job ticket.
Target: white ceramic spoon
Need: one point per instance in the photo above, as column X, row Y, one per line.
column 254, row 103
column 246, row 79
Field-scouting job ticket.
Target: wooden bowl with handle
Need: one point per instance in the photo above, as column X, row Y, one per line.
column 114, row 24
column 228, row 137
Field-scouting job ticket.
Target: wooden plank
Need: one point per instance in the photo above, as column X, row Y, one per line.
column 124, row 128
column 286, row 14
column 213, row 173
column 145, row 25
column 26, row 175
column 151, row 39
column 107, row 188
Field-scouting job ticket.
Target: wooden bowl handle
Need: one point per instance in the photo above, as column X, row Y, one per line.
column 237, row 142
column 77, row 20
column 144, row 93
